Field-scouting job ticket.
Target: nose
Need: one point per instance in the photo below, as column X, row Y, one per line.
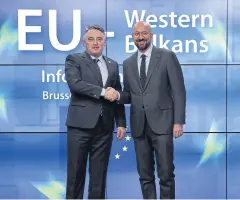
column 140, row 36
column 95, row 42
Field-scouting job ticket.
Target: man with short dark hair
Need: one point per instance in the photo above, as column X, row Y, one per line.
column 91, row 114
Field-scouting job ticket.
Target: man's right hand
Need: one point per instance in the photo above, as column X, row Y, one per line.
column 111, row 94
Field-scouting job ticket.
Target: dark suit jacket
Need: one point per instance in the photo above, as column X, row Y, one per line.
column 163, row 98
column 86, row 104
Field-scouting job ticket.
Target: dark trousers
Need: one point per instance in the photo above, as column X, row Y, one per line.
column 162, row 146
column 81, row 143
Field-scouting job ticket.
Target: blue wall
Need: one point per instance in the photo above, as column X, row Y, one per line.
column 32, row 126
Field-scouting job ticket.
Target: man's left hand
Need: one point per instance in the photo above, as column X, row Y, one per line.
column 120, row 132
column 177, row 130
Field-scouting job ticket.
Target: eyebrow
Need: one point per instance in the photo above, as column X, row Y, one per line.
column 93, row 37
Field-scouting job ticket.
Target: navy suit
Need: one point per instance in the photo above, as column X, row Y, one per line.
column 155, row 108
column 90, row 123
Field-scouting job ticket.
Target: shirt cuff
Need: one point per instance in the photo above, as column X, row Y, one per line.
column 118, row 96
column 103, row 92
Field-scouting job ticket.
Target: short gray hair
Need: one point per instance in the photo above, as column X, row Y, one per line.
column 94, row 27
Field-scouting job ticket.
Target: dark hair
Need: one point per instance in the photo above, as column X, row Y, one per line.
column 94, row 27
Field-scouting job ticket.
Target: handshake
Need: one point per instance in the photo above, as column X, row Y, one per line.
column 111, row 94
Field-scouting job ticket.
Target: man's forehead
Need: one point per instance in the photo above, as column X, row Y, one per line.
column 95, row 33
column 141, row 28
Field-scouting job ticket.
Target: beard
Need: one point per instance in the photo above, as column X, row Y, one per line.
column 142, row 47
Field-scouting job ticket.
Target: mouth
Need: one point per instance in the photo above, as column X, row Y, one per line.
column 143, row 42
column 95, row 48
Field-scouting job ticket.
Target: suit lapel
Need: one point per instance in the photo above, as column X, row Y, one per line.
column 135, row 69
column 152, row 65
column 110, row 69
column 93, row 67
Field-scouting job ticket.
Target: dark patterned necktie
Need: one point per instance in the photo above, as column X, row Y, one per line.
column 143, row 70
column 96, row 61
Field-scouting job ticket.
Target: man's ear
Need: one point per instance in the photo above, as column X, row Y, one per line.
column 105, row 42
column 84, row 43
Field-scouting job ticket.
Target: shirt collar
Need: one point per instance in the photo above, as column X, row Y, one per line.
column 100, row 58
column 147, row 53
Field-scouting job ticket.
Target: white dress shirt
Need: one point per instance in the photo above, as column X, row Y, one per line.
column 104, row 71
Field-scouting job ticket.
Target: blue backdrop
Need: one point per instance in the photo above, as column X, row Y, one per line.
column 34, row 96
